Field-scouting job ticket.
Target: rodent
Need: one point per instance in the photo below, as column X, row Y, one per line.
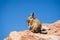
column 33, row 23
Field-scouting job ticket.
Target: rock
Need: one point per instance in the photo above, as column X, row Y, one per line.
column 57, row 24
column 53, row 28
column 28, row 35
column 53, row 33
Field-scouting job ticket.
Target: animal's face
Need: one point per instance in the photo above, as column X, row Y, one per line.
column 30, row 18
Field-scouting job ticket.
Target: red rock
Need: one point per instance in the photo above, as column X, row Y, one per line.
column 52, row 34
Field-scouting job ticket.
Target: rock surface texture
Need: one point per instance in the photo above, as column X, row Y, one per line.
column 53, row 33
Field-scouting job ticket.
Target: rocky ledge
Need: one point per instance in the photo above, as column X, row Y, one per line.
column 52, row 34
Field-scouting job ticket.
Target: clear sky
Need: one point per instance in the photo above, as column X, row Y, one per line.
column 14, row 14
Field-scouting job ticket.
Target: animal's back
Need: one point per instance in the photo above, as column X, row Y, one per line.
column 36, row 22
column 36, row 25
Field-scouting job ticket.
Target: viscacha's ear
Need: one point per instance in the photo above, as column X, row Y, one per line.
column 32, row 14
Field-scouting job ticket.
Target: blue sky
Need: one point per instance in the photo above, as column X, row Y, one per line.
column 14, row 14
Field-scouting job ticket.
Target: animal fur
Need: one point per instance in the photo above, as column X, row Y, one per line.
column 33, row 23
